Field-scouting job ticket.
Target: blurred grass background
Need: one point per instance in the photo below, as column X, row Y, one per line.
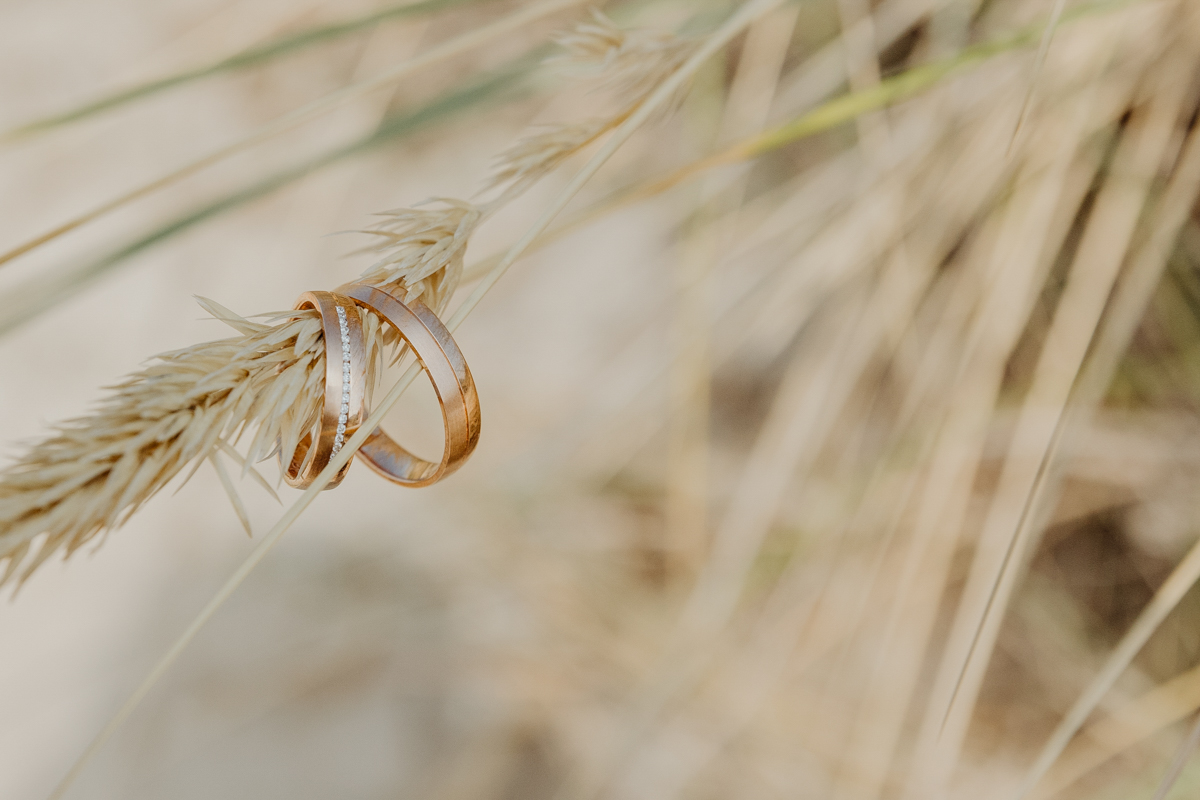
column 839, row 470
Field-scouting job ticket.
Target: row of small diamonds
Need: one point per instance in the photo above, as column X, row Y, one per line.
column 344, row 414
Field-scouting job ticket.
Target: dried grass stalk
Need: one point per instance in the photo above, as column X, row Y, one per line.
column 629, row 66
column 96, row 471
column 267, row 384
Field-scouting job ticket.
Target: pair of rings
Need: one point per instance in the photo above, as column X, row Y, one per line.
column 344, row 410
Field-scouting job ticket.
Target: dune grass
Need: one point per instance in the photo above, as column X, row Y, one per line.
column 913, row 411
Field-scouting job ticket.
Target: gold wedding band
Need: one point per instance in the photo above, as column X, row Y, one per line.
column 447, row 369
column 345, row 389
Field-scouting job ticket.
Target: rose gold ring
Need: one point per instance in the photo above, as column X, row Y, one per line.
column 451, row 378
column 345, row 389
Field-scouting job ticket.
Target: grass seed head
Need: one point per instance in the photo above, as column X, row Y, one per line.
column 422, row 249
column 628, row 63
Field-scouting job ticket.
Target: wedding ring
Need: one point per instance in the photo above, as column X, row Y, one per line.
column 447, row 369
column 345, row 389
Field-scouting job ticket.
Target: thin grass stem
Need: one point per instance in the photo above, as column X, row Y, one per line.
column 1039, row 62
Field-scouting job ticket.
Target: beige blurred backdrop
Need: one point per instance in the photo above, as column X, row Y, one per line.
column 507, row 634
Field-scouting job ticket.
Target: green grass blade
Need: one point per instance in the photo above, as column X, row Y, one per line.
column 848, row 107
column 38, row 295
column 247, row 58
column 907, row 84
